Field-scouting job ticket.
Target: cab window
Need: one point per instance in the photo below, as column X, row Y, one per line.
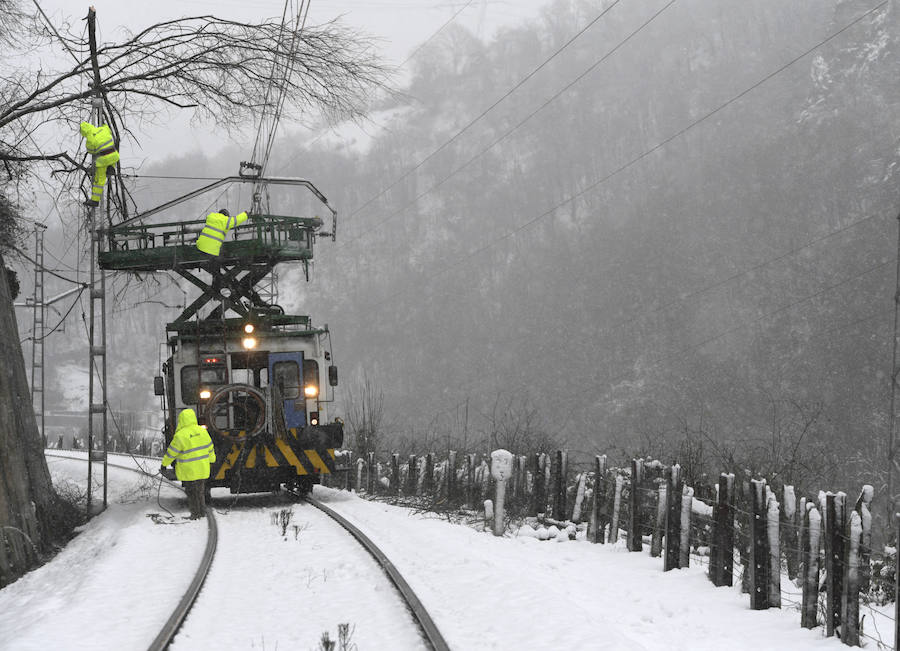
column 209, row 376
column 286, row 376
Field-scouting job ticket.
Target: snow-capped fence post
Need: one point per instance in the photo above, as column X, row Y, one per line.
column 656, row 538
column 721, row 553
column 429, row 474
column 789, row 531
column 634, row 528
column 617, row 505
column 674, row 488
column 810, row 535
column 560, row 472
column 773, row 531
column 395, row 474
column 360, row 464
column 835, row 518
column 501, row 471
column 538, row 495
column 850, row 597
column 598, row 498
column 759, row 546
column 684, row 542
column 580, row 485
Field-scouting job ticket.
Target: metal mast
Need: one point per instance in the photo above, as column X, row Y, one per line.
column 97, row 343
column 38, row 332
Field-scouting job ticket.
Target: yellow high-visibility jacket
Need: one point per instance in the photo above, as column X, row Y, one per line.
column 191, row 449
column 100, row 144
column 217, row 226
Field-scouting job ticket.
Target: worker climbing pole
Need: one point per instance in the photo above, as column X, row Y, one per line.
column 105, row 154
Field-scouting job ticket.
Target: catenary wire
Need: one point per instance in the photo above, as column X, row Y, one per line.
column 496, row 103
column 509, row 234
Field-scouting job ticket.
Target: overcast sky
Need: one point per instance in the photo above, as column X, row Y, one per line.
column 401, row 25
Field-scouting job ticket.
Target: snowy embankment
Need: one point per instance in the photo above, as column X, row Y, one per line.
column 121, row 576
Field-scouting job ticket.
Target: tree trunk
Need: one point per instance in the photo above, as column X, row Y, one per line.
column 32, row 516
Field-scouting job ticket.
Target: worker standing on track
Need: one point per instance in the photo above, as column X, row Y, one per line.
column 192, row 451
column 100, row 144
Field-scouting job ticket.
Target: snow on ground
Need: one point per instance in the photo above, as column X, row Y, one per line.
column 272, row 591
column 118, row 580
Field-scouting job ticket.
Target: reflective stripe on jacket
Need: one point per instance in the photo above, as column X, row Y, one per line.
column 217, row 226
column 98, row 140
column 191, row 449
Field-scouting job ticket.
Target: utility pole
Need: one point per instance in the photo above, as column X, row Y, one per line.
column 37, row 329
column 97, row 343
column 893, row 501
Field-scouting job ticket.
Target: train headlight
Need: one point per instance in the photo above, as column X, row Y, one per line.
column 249, row 328
column 205, row 394
column 249, row 342
column 313, row 418
column 311, row 390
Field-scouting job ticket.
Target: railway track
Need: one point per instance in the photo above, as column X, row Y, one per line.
column 173, row 623
column 423, row 620
column 420, row 614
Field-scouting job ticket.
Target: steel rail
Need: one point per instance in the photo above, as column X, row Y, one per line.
column 176, row 619
column 423, row 619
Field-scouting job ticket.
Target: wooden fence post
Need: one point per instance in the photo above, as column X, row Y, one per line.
column 896, row 582
column 674, row 487
column 684, row 539
column 598, row 499
column 560, row 470
column 451, row 477
column 721, row 560
column 360, row 464
column 789, row 531
column 759, row 547
column 863, row 507
column 656, row 538
column 538, row 494
column 470, row 480
column 634, row 528
column 850, row 597
column 411, row 475
column 835, row 518
column 774, row 539
column 429, row 474
column 395, row 474
column 580, row 486
column 371, row 474
column 811, row 534
column 617, row 506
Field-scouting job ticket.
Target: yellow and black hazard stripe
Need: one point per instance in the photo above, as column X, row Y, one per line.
column 279, row 454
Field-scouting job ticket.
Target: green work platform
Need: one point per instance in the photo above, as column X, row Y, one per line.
column 262, row 239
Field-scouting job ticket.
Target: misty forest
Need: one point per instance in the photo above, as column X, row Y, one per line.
column 676, row 239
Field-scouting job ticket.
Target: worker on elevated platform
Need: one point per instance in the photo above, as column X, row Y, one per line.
column 192, row 451
column 217, row 226
column 102, row 147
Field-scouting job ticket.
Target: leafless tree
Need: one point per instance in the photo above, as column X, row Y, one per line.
column 365, row 415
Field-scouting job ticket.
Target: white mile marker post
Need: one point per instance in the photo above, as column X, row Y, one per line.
column 501, row 470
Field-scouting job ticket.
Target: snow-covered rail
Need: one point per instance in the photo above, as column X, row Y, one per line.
column 423, row 619
column 173, row 623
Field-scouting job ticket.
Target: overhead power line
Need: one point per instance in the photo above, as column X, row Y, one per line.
column 472, row 122
column 460, row 261
column 509, row 131
column 438, row 31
